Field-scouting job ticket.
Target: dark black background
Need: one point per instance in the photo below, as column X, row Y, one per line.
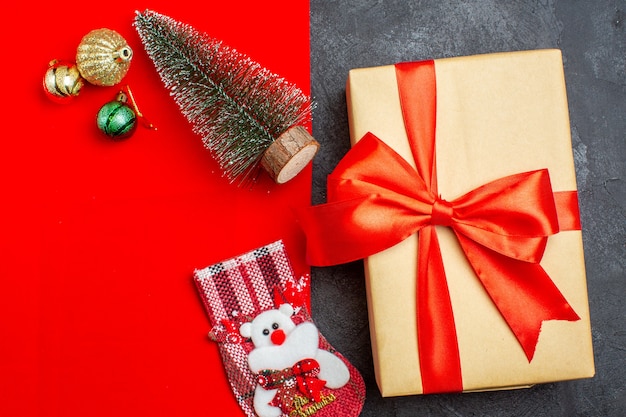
column 592, row 36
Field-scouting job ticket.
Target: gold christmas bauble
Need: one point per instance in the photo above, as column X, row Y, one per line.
column 62, row 81
column 103, row 57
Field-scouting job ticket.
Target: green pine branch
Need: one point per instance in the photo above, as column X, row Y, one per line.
column 235, row 105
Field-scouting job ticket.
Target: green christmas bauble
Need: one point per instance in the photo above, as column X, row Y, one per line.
column 117, row 120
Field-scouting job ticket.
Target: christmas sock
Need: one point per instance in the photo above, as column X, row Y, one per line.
column 276, row 360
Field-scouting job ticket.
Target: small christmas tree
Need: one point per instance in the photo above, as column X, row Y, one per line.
column 246, row 115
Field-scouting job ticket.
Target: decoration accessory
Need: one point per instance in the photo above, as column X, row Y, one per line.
column 103, row 57
column 276, row 360
column 246, row 116
column 117, row 119
column 62, row 81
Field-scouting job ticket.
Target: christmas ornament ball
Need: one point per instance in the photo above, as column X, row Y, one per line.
column 62, row 81
column 103, row 57
column 117, row 120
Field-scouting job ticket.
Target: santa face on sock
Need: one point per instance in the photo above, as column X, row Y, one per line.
column 288, row 361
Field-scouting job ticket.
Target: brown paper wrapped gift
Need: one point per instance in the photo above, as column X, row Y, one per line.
column 496, row 115
column 460, row 193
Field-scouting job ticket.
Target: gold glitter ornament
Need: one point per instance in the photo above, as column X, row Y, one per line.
column 62, row 81
column 103, row 57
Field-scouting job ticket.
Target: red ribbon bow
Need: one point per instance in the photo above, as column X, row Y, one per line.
column 376, row 200
column 302, row 378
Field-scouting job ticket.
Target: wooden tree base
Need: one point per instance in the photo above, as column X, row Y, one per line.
column 289, row 154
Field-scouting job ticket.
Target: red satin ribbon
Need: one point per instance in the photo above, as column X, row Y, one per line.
column 376, row 200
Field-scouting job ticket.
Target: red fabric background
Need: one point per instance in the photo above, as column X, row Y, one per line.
column 98, row 240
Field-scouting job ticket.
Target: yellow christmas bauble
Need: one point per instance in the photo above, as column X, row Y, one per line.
column 62, row 81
